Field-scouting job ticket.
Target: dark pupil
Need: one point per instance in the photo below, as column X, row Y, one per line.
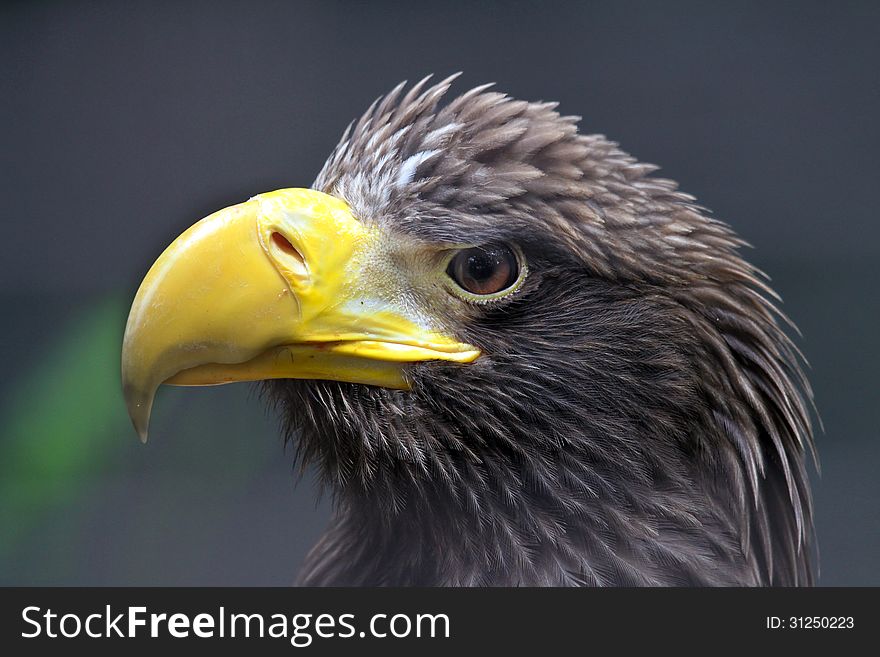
column 481, row 265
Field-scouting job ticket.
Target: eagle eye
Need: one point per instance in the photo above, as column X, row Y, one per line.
column 485, row 271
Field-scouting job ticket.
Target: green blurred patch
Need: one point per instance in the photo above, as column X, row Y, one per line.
column 66, row 443
column 61, row 420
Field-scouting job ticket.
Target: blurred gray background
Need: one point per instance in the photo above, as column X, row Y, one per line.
column 123, row 123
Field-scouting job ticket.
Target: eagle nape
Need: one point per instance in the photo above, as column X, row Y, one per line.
column 514, row 356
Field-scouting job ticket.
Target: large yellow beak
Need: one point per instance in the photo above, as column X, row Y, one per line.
column 286, row 285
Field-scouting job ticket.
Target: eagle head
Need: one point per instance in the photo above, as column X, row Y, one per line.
column 513, row 355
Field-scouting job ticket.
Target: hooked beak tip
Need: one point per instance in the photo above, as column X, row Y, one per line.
column 139, row 406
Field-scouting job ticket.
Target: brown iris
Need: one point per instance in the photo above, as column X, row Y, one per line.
column 484, row 270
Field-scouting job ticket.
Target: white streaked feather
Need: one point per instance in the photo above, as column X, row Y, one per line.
column 408, row 169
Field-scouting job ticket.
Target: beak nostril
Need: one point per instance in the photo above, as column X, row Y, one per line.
column 283, row 244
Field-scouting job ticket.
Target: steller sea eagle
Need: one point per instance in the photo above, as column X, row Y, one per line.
column 513, row 355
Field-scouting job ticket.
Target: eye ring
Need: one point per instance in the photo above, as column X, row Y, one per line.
column 486, row 272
